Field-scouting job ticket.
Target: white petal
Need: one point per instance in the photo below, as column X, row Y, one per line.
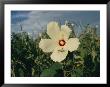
column 59, row 56
column 53, row 30
column 47, row 45
column 65, row 31
column 72, row 44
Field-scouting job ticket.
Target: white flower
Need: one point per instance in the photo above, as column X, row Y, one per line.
column 60, row 43
column 72, row 24
column 40, row 34
column 66, row 22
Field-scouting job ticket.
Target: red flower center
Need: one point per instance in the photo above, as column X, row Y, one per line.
column 62, row 42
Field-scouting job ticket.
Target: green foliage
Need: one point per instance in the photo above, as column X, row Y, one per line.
column 50, row 72
column 28, row 60
column 90, row 51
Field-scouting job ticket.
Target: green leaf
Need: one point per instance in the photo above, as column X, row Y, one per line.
column 77, row 72
column 51, row 71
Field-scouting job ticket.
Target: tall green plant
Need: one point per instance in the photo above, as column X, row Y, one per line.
column 28, row 60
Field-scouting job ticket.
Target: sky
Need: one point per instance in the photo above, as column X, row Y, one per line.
column 34, row 22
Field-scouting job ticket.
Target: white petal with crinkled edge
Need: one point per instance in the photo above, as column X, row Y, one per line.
column 58, row 56
column 72, row 44
column 47, row 45
column 65, row 30
column 53, row 30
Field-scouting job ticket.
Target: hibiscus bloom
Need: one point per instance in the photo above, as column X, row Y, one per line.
column 60, row 43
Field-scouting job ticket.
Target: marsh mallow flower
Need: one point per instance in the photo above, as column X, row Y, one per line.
column 60, row 43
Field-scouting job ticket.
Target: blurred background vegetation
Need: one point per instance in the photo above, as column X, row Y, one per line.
column 28, row 60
